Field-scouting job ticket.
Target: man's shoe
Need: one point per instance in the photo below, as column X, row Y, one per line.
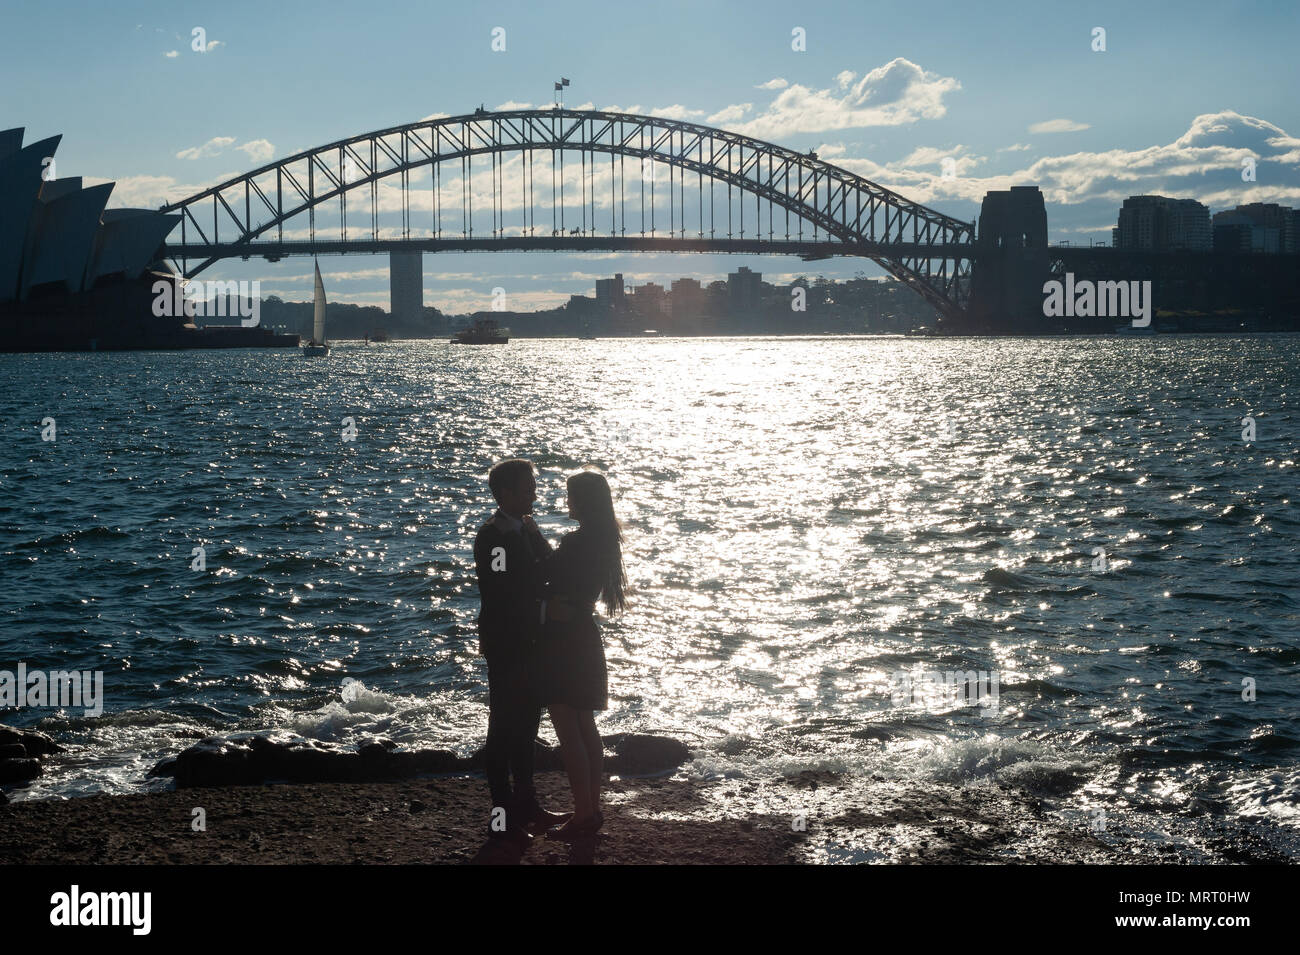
column 542, row 819
column 516, row 829
column 537, row 818
column 516, row 834
column 575, row 831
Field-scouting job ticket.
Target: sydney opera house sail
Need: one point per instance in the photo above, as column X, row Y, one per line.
column 76, row 275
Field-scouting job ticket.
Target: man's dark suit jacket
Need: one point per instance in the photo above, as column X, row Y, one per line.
column 509, row 621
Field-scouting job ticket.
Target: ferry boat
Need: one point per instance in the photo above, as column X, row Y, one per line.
column 484, row 331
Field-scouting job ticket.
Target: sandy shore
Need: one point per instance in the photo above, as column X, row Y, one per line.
column 442, row 820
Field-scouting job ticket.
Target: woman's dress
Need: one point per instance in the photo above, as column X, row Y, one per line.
column 570, row 661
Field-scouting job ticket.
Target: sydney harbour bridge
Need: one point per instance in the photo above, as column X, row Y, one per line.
column 577, row 180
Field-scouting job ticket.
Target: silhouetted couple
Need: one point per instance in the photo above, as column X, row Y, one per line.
column 538, row 633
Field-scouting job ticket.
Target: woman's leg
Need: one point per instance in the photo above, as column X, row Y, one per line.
column 574, row 753
column 595, row 750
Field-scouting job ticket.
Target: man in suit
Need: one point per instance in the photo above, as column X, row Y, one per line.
column 510, row 556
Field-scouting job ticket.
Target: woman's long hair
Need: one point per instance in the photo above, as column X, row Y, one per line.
column 593, row 505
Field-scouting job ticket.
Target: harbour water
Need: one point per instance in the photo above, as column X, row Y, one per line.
column 806, row 519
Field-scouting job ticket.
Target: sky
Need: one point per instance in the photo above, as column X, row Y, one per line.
column 1008, row 93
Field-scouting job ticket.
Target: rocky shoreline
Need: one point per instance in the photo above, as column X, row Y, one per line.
column 21, row 752
column 815, row 818
column 274, row 798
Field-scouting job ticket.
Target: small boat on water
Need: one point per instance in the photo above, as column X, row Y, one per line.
column 318, row 346
column 484, row 331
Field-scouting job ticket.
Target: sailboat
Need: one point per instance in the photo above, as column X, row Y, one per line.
column 317, row 346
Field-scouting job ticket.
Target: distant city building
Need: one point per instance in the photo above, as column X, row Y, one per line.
column 1158, row 223
column 744, row 290
column 687, row 297
column 609, row 292
column 1234, row 232
column 650, row 299
column 1257, row 227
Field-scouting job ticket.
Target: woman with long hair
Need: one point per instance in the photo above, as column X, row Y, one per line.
column 570, row 669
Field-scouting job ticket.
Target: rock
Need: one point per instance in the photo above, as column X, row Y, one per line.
column 213, row 762
column 374, row 752
column 250, row 758
column 18, row 770
column 166, row 768
column 13, row 751
column 640, row 754
column 36, row 744
column 417, row 806
column 309, row 762
column 427, row 761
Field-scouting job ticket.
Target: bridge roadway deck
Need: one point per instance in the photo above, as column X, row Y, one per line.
column 805, row 249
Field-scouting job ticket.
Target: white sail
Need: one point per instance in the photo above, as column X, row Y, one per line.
column 318, row 325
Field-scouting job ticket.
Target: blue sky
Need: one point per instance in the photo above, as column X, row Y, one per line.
column 1013, row 93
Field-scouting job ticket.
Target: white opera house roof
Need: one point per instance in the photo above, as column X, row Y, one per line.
column 56, row 234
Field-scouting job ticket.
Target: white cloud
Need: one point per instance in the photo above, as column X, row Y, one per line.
column 1204, row 163
column 258, row 150
column 897, row 93
column 932, row 156
column 774, row 84
column 150, row 192
column 677, row 111
column 459, row 301
column 511, row 104
column 1015, row 148
column 213, row 147
column 171, row 54
column 729, row 114
column 1058, row 126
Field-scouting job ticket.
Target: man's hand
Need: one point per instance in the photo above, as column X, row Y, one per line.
column 533, row 533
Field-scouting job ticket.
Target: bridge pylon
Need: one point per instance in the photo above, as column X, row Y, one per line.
column 405, row 287
column 1011, row 262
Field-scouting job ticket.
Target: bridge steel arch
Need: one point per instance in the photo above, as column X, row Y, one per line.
column 245, row 216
